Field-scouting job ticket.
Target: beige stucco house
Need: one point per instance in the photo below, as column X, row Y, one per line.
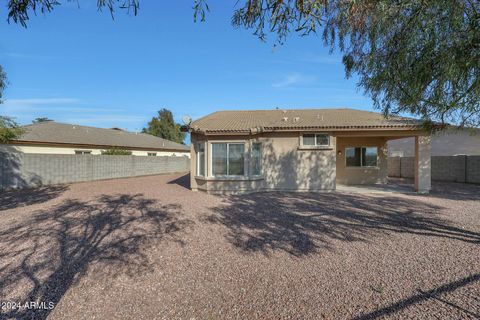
column 51, row 137
column 299, row 150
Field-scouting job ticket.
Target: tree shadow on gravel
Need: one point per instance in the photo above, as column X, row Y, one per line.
column 305, row 223
column 10, row 199
column 472, row 308
column 41, row 258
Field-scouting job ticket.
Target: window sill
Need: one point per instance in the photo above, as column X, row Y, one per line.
column 315, row 148
column 230, row 178
column 356, row 168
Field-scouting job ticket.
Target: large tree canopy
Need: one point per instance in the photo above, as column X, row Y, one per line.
column 165, row 127
column 420, row 57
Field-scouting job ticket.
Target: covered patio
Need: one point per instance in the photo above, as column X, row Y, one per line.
column 361, row 162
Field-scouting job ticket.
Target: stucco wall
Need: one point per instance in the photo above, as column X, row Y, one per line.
column 449, row 143
column 357, row 175
column 285, row 166
column 62, row 150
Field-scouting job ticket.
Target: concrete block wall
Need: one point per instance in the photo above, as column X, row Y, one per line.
column 394, row 166
column 407, row 167
column 459, row 168
column 448, row 168
column 473, row 169
column 19, row 170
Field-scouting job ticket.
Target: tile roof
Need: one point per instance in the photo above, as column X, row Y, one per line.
column 252, row 121
column 54, row 132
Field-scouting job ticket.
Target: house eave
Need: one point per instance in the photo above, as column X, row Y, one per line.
column 254, row 131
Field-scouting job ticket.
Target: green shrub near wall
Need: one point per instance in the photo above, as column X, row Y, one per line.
column 117, row 152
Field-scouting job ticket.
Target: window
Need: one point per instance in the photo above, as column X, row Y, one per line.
column 316, row 139
column 151, row 154
column 361, row 157
column 83, row 151
column 256, row 159
column 228, row 159
column 201, row 159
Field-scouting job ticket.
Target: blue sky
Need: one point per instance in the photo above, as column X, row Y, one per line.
column 80, row 66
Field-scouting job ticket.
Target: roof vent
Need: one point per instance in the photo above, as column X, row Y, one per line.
column 320, row 116
column 285, row 119
column 284, row 111
column 118, row 129
column 296, row 119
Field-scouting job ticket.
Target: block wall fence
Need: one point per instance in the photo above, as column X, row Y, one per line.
column 461, row 168
column 21, row 170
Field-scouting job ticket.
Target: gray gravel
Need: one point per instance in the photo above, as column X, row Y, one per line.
column 150, row 248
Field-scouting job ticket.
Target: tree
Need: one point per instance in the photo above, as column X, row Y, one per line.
column 41, row 119
column 415, row 57
column 3, row 82
column 117, row 151
column 165, row 127
column 420, row 57
column 9, row 129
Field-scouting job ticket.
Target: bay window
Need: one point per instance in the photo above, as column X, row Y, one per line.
column 201, row 159
column 228, row 159
column 256, row 158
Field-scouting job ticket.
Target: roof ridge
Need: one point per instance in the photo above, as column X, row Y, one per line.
column 287, row 109
column 78, row 125
column 113, row 133
column 300, row 118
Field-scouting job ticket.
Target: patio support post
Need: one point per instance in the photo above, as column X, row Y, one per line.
column 423, row 175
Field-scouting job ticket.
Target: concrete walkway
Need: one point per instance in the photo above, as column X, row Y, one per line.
column 378, row 188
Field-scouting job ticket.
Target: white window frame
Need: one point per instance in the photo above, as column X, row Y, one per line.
column 361, row 157
column 197, row 158
column 316, row 145
column 210, row 158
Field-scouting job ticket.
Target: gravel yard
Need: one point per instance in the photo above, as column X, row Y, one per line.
column 150, row 248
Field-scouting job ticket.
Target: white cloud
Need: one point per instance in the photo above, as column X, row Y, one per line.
column 21, row 55
column 293, row 79
column 310, row 58
column 321, row 59
column 39, row 101
column 34, row 105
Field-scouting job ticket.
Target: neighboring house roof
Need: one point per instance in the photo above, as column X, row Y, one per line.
column 278, row 120
column 51, row 132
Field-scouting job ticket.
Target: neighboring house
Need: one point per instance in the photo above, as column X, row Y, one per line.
column 444, row 143
column 51, row 137
column 298, row 150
